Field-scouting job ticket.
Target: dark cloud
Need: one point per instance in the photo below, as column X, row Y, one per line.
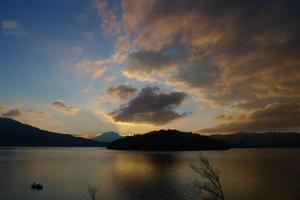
column 279, row 117
column 250, row 48
column 150, row 106
column 198, row 73
column 149, row 60
column 243, row 55
column 122, row 91
column 12, row 113
column 64, row 108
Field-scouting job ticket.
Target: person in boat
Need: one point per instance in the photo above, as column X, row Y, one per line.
column 35, row 186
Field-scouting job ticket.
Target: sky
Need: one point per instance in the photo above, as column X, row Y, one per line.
column 88, row 66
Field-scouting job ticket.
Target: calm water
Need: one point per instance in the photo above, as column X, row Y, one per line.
column 245, row 173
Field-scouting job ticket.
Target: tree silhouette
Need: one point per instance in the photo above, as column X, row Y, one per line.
column 209, row 187
column 91, row 192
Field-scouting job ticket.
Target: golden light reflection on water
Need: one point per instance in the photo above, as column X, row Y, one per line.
column 144, row 174
column 251, row 173
column 134, row 166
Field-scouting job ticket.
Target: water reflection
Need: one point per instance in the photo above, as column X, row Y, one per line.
column 245, row 174
column 147, row 176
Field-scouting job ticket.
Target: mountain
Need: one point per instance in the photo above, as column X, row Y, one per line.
column 107, row 137
column 14, row 133
column 168, row 140
column 261, row 140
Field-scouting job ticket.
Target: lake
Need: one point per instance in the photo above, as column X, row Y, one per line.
column 245, row 174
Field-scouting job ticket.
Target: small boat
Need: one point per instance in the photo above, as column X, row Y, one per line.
column 38, row 186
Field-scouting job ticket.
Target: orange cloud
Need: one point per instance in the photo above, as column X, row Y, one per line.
column 12, row 113
column 224, row 117
column 2, row 108
column 64, row 108
column 77, row 49
column 279, row 117
column 232, row 54
column 110, row 24
column 122, row 91
column 94, row 67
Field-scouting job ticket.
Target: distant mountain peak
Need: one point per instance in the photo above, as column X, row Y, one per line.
column 107, row 137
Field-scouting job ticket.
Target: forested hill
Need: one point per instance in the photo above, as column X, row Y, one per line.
column 168, row 140
column 14, row 133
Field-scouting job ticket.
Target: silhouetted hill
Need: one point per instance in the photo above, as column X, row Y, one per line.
column 107, row 137
column 168, row 140
column 261, row 140
column 14, row 133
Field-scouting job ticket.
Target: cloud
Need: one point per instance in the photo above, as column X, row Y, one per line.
column 279, row 117
column 89, row 35
column 224, row 117
column 149, row 60
column 2, row 108
column 240, row 55
column 64, row 108
column 86, row 121
column 236, row 58
column 198, row 73
column 39, row 112
column 77, row 49
column 149, row 65
column 110, row 24
column 150, row 106
column 110, row 79
column 12, row 113
column 122, row 91
column 94, row 67
column 11, row 27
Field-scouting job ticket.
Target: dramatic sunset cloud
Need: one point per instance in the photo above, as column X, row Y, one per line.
column 231, row 62
column 280, row 117
column 151, row 106
column 242, row 55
